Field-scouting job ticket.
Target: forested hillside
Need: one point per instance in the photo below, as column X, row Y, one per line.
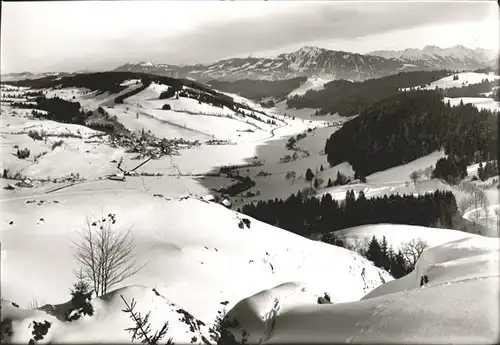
column 258, row 89
column 350, row 98
column 310, row 215
column 410, row 125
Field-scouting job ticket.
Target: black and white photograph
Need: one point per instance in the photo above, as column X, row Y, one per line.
column 250, row 172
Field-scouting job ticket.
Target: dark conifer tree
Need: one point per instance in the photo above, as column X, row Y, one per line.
column 309, row 175
column 374, row 252
column 80, row 301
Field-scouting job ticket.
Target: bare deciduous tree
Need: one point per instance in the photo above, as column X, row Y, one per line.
column 106, row 257
column 413, row 249
column 428, row 172
column 415, row 176
column 465, row 204
column 480, row 203
column 291, row 175
column 497, row 215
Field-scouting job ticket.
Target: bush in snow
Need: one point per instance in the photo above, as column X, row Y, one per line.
column 166, row 107
column 35, row 135
column 324, row 299
column 167, row 94
column 57, row 144
column 290, row 175
column 415, row 176
column 23, row 153
column 424, row 280
column 216, row 330
column 39, row 331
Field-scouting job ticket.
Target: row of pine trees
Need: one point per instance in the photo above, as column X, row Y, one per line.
column 308, row 215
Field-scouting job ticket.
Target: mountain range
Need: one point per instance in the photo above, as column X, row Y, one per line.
column 314, row 61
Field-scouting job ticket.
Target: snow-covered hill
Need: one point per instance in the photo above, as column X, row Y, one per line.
column 432, row 304
column 182, row 252
column 460, row 80
column 397, row 234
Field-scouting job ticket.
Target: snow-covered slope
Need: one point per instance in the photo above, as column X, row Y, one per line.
column 479, row 102
column 464, row 79
column 182, row 249
column 451, row 297
column 312, row 83
column 397, row 234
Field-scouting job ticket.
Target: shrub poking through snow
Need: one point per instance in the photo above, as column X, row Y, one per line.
column 216, row 330
column 57, row 144
column 247, row 222
column 35, row 135
column 80, row 301
column 40, row 329
column 424, row 280
column 142, row 328
column 34, row 303
column 324, row 299
column 23, row 153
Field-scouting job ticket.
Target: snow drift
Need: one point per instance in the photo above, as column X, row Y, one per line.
column 432, row 304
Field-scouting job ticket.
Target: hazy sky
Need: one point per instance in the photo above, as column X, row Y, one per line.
column 68, row 36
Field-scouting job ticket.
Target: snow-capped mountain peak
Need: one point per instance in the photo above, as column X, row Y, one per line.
column 457, row 57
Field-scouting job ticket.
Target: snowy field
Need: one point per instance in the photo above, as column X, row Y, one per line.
column 312, row 83
column 398, row 235
column 479, row 102
column 399, row 312
column 464, row 79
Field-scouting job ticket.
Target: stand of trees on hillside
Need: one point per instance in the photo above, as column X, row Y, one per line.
column 258, row 89
column 100, row 81
column 473, row 90
column 398, row 263
column 306, row 215
column 349, row 98
column 58, row 109
column 410, row 125
column 496, row 94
